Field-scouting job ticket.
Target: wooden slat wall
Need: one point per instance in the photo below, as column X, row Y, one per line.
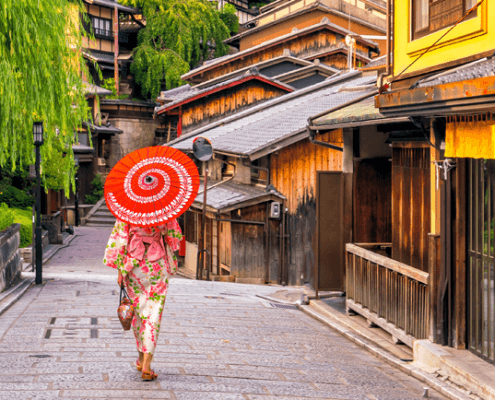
column 248, row 247
column 411, row 205
column 225, row 238
column 293, row 173
column 304, row 46
column 226, row 102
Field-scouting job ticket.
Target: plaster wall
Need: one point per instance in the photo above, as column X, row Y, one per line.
column 137, row 133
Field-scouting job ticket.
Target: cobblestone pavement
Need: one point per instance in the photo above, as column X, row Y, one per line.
column 218, row 341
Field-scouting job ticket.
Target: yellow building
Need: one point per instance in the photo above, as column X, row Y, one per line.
column 442, row 78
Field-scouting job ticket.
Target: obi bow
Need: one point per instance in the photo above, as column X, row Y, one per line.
column 156, row 250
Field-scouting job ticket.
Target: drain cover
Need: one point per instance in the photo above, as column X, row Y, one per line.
column 286, row 306
column 40, row 356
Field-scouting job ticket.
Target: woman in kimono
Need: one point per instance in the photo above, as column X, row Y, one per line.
column 144, row 258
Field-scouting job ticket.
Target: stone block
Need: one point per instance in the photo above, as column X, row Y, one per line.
column 10, row 256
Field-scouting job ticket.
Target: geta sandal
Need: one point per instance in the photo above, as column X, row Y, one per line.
column 138, row 366
column 149, row 376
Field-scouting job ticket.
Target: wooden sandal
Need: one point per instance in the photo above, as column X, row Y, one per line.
column 138, row 366
column 149, row 376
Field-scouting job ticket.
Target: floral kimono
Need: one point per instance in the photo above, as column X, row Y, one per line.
column 145, row 257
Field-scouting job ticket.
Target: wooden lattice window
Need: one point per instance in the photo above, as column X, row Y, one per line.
column 429, row 16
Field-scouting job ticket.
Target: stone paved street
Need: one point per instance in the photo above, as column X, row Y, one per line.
column 218, row 341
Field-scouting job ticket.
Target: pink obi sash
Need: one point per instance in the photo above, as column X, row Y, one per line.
column 156, row 250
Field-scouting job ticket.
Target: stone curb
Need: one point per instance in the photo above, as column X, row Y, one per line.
column 94, row 209
column 409, row 369
column 9, row 297
column 52, row 251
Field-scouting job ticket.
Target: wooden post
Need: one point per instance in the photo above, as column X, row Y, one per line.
column 116, row 47
column 168, row 134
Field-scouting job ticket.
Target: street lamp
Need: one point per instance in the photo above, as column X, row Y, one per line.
column 38, row 141
column 76, row 200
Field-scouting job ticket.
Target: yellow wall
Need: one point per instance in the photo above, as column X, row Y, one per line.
column 471, row 37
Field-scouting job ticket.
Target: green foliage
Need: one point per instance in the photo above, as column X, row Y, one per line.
column 14, row 197
column 6, row 217
column 41, row 80
column 109, row 84
column 98, row 191
column 25, row 218
column 227, row 15
column 9, row 216
column 179, row 35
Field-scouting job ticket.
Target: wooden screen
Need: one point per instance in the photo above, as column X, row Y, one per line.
column 411, row 205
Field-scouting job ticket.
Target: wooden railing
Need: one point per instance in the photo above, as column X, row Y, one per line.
column 388, row 293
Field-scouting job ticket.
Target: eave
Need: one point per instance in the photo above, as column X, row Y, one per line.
column 474, row 95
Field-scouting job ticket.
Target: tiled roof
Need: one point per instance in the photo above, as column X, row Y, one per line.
column 377, row 63
column 230, row 194
column 325, row 24
column 94, row 89
column 110, row 129
column 473, row 70
column 362, row 111
column 263, row 127
column 193, row 92
column 99, row 56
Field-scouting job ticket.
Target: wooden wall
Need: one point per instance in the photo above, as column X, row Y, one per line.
column 302, row 47
column 411, row 204
column 293, row 173
column 305, row 20
column 248, row 244
column 221, row 104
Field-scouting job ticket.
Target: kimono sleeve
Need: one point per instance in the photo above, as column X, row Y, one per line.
column 116, row 250
column 173, row 235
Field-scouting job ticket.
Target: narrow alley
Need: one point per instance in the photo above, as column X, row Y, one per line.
column 217, row 341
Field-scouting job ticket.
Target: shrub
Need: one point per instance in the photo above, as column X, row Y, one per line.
column 25, row 218
column 14, row 197
column 6, row 217
column 98, row 191
column 9, row 216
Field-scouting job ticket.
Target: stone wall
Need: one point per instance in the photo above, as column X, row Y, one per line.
column 10, row 256
column 137, row 133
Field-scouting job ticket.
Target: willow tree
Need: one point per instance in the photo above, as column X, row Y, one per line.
column 41, row 80
column 179, row 35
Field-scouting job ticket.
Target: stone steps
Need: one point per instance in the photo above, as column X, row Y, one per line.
column 101, row 217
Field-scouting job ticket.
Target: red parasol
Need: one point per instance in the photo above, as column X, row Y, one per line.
column 151, row 186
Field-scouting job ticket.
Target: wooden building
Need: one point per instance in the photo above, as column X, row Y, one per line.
column 103, row 18
column 269, row 145
column 241, row 233
column 280, row 20
column 196, row 107
column 303, row 43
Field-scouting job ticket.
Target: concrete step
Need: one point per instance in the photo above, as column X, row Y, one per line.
column 100, row 220
column 102, row 213
column 94, row 224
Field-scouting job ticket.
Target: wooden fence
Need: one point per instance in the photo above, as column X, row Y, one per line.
column 388, row 293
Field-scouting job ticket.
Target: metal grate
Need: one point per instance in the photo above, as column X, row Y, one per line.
column 285, row 306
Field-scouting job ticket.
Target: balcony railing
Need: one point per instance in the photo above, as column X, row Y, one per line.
column 388, row 293
column 103, row 33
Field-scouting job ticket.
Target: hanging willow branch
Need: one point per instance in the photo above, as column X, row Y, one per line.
column 41, row 80
column 179, row 35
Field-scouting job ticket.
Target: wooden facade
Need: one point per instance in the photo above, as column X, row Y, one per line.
column 103, row 40
column 304, row 18
column 303, row 44
column 293, row 173
column 206, row 108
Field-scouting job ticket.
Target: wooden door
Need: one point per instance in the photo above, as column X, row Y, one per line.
column 330, row 268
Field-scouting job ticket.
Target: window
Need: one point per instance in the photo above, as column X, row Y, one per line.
column 102, row 27
column 429, row 16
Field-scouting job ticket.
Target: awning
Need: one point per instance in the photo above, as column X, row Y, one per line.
column 354, row 115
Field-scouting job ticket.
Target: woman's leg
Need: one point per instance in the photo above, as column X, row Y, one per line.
column 147, row 357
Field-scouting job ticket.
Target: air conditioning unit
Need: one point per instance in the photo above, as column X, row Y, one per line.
column 101, row 162
column 275, row 210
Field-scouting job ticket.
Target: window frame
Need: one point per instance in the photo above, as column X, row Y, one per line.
column 101, row 33
column 416, row 35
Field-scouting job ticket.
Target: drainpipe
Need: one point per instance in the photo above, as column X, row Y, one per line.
column 116, row 48
column 312, row 134
column 389, row 35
